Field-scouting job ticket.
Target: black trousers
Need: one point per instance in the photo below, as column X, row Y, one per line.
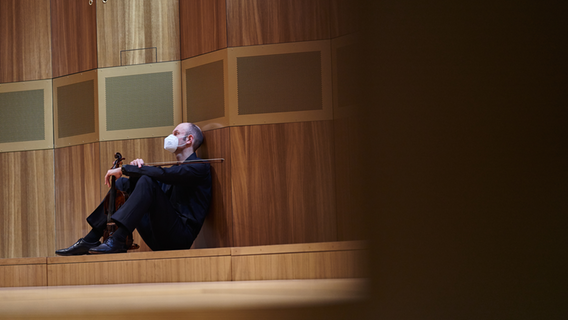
column 149, row 211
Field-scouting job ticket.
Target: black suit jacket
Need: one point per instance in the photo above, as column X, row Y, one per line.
column 188, row 187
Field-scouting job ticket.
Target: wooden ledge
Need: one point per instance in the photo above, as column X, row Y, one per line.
column 300, row 248
column 321, row 260
column 150, row 255
column 193, row 253
column 22, row 261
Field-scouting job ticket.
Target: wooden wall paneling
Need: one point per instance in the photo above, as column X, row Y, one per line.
column 77, row 185
column 203, row 26
column 252, row 22
column 146, row 271
column 151, row 150
column 217, row 230
column 27, row 204
column 290, row 266
column 346, row 71
column 326, row 260
column 137, row 31
column 283, row 183
column 23, row 272
column 74, row 37
column 347, row 175
column 344, row 17
column 25, row 40
column 142, row 267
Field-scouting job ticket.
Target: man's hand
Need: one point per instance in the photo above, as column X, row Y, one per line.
column 112, row 172
column 137, row 162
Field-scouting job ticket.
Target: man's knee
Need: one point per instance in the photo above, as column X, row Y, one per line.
column 146, row 182
column 122, row 184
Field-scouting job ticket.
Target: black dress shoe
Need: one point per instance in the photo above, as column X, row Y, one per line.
column 79, row 247
column 111, row 245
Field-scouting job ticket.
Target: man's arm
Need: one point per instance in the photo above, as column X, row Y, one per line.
column 179, row 174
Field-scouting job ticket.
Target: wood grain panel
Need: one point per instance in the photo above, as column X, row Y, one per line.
column 135, row 25
column 344, row 17
column 348, row 189
column 27, row 204
column 141, row 271
column 74, row 37
column 300, row 248
column 283, row 183
column 253, row 22
column 26, row 275
column 288, row 266
column 25, row 40
column 203, row 26
column 151, row 150
column 217, row 230
column 77, row 185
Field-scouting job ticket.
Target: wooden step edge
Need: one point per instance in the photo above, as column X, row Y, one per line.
column 300, row 248
column 149, row 255
column 193, row 253
column 22, row 261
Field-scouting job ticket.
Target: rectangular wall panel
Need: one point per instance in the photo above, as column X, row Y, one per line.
column 143, row 267
column 74, row 43
column 26, row 116
column 139, row 101
column 76, row 111
column 25, row 40
column 205, row 84
column 76, row 106
column 205, row 92
column 23, row 272
column 283, row 183
column 203, row 26
column 284, row 82
column 291, row 266
column 137, row 25
column 27, row 204
column 251, row 22
column 278, row 83
column 321, row 260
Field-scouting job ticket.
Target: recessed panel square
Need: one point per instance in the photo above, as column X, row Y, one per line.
column 76, row 109
column 205, row 92
column 139, row 101
column 22, row 116
column 285, row 82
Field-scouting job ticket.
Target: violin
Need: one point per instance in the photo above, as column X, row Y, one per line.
column 113, row 201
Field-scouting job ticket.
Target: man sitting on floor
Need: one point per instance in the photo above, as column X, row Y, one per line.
column 166, row 205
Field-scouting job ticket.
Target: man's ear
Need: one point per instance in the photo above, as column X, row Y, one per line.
column 189, row 140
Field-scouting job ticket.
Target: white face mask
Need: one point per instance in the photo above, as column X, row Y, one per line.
column 171, row 143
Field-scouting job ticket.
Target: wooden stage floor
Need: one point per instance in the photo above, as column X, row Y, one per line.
column 272, row 299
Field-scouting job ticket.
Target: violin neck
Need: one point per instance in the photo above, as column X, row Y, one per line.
column 111, row 198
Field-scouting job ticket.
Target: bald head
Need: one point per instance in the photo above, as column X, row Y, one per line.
column 195, row 131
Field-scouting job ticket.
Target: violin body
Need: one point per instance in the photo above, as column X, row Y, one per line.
column 113, row 201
